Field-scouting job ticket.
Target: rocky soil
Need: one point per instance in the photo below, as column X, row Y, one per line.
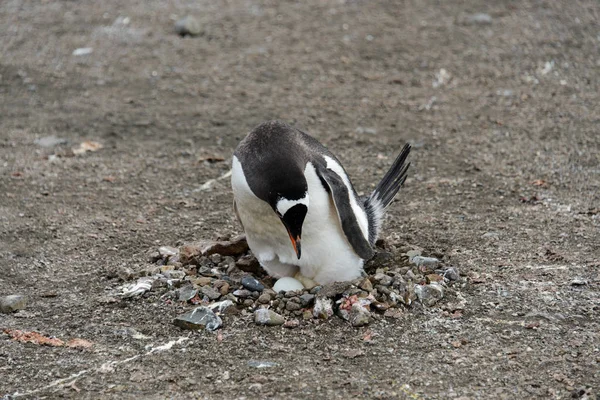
column 117, row 125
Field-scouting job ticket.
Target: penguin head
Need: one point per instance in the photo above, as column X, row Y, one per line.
column 292, row 213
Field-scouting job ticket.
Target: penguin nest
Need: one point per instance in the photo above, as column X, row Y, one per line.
column 398, row 280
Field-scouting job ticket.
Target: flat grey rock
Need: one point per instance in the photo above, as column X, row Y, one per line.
column 198, row 318
column 12, row 303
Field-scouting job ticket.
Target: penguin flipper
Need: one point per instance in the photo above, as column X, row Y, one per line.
column 237, row 215
column 341, row 193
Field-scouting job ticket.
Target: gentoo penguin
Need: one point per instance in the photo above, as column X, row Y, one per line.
column 300, row 212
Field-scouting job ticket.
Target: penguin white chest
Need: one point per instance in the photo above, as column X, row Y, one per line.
column 327, row 256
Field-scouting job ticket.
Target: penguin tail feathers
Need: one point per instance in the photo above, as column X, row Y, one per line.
column 384, row 193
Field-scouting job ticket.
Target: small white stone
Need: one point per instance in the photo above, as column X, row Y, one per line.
column 83, row 51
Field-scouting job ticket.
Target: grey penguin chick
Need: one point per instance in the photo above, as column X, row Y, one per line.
column 300, row 212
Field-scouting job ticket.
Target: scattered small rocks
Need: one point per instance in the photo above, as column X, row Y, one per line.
column 264, row 316
column 188, row 26
column 207, row 274
column 198, row 318
column 12, row 303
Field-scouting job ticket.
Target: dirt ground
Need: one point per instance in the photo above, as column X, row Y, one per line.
column 499, row 99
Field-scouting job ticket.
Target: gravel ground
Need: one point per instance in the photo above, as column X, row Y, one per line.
column 115, row 130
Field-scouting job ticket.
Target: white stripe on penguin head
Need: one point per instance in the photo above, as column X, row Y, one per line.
column 283, row 204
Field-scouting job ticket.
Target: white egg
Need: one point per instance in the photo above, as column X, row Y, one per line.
column 287, row 284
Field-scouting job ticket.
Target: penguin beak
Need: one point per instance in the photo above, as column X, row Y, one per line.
column 296, row 244
column 293, row 220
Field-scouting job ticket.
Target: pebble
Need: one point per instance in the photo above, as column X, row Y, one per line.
column 252, row 284
column 334, row 289
column 188, row 26
column 411, row 275
column 222, row 286
column 429, row 294
column 168, row 251
column 287, row 284
column 393, row 313
column 413, row 253
column 186, row 293
column 202, row 281
column 210, row 292
column 207, row 271
column 138, row 288
column 264, row 298
column 174, row 274
column 125, row 273
column 383, row 279
column 267, row 317
column 261, row 364
column 452, row 274
column 249, row 264
column 50, row 141
column 323, row 308
column 480, row 19
column 83, row 51
column 292, row 306
column 434, row 278
column 430, row 262
column 291, row 324
column 221, row 306
column 359, row 316
column 579, row 282
column 504, row 92
column 380, row 306
column 366, row 285
column 200, row 317
column 12, row 303
column 243, row 293
column 306, row 299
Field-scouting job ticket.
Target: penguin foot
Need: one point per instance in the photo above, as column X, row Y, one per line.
column 306, row 282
